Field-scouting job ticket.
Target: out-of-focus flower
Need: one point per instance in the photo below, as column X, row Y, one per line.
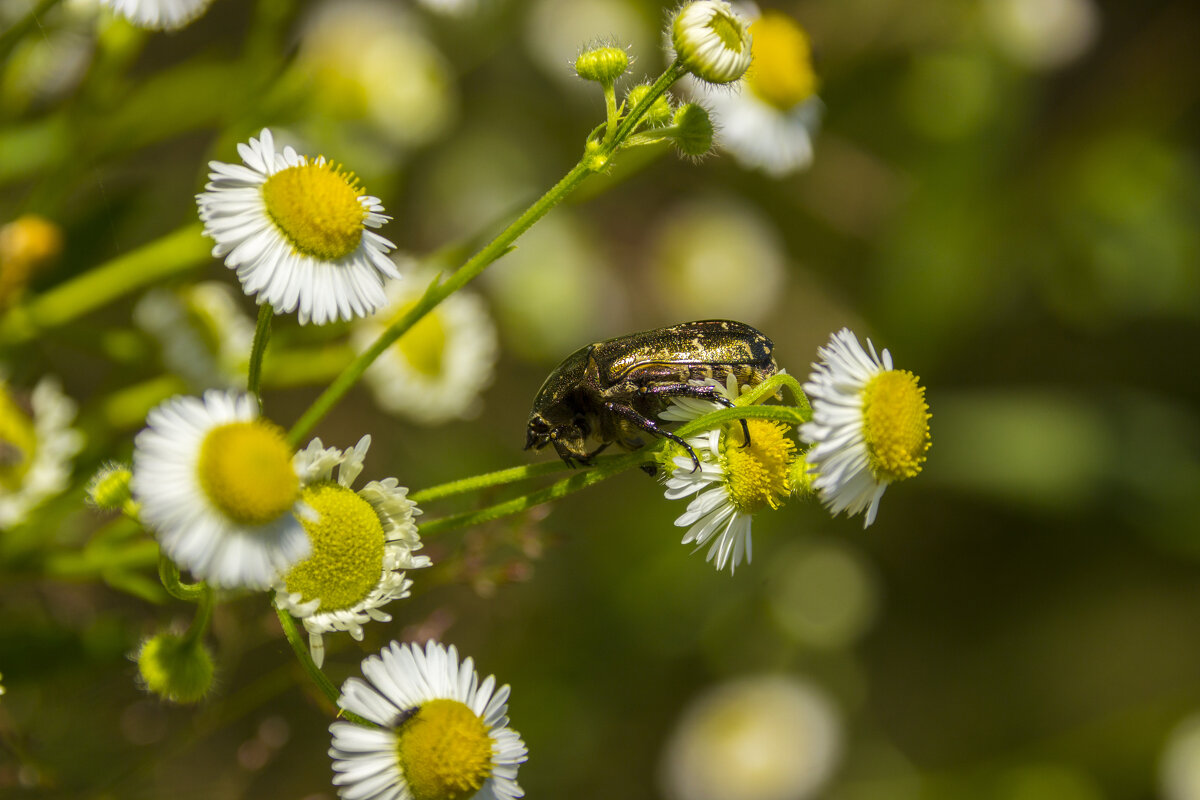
column 298, row 232
column 1043, row 34
column 36, row 447
column 437, row 370
column 870, row 425
column 27, row 244
column 362, row 541
column 369, row 60
column 205, row 335
column 442, row 733
column 176, row 668
column 217, row 486
column 717, row 258
column 769, row 124
column 760, row 738
column 1179, row 765
column 734, row 480
column 711, row 40
column 158, row 15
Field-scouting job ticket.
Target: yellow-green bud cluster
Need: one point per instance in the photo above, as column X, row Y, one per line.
column 693, row 130
column 711, row 41
column 176, row 668
column 658, row 114
column 602, row 64
column 109, row 487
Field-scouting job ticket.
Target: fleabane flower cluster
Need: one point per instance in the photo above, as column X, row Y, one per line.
column 869, row 429
column 299, row 232
column 440, row 732
column 711, row 40
column 362, row 541
column 735, row 480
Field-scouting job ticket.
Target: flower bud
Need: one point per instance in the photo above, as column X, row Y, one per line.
column 109, row 487
column 658, row 114
column 694, row 130
column 602, row 64
column 175, row 668
column 711, row 41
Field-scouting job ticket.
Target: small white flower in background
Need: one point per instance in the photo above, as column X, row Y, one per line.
column 204, row 334
column 442, row 733
column 298, row 232
column 217, row 486
column 768, row 122
column 158, row 15
column 2, row 689
column 361, row 545
column 734, row 481
column 774, row 737
column 870, row 425
column 36, row 447
column 436, row 371
column 711, row 40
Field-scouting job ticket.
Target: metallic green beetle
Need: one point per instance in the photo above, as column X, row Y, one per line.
column 613, row 390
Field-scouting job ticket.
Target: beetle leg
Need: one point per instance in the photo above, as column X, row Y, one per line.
column 650, row 426
column 597, row 451
column 706, row 392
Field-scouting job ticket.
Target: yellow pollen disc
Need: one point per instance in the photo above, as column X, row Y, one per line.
column 245, row 469
column 760, row 475
column 895, row 425
column 782, row 71
column 424, row 345
column 316, row 207
column 728, row 30
column 444, row 751
column 347, row 549
column 18, row 442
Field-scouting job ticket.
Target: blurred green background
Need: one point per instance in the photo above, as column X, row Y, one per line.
column 1011, row 207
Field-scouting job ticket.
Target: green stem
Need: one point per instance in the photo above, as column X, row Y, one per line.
column 262, row 337
column 437, row 292
column 605, row 468
column 497, row 478
column 204, row 610
column 788, row 414
column 300, row 647
column 610, row 109
column 172, row 254
column 168, row 573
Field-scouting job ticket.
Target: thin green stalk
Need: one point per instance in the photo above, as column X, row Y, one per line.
column 788, row 414
column 169, row 255
column 497, row 478
column 300, row 647
column 262, row 337
column 200, row 622
column 605, row 468
column 168, row 573
column 635, row 115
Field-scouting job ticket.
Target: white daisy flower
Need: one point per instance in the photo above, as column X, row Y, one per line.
column 204, row 334
column 361, row 544
column 733, row 482
column 711, row 40
column 870, row 425
column 298, row 232
column 442, row 733
column 437, row 370
column 769, row 120
column 36, row 447
column 217, row 486
column 158, row 15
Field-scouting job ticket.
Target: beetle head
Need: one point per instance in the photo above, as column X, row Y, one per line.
column 568, row 436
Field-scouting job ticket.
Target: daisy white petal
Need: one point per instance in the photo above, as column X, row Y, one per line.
column 162, row 15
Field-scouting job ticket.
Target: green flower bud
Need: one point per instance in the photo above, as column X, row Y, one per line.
column 109, row 487
column 602, row 64
column 711, row 41
column 175, row 668
column 659, row 113
column 694, row 134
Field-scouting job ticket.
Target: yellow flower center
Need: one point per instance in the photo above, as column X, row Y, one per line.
column 782, row 71
column 347, row 549
column 444, row 751
column 245, row 469
column 424, row 345
column 760, row 475
column 728, row 29
column 895, row 425
column 18, row 442
column 316, row 207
